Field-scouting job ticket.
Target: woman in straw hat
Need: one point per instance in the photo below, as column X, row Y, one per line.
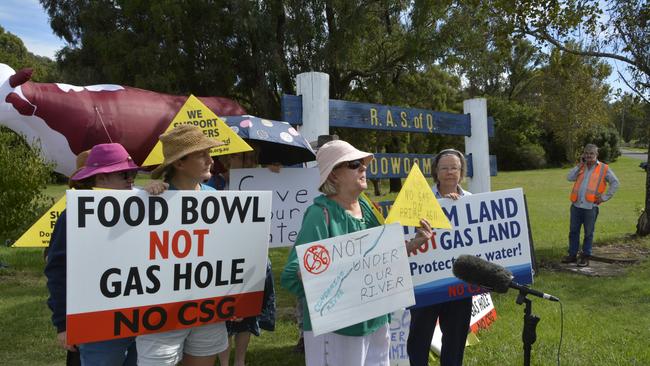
column 339, row 211
column 240, row 330
column 186, row 166
column 107, row 166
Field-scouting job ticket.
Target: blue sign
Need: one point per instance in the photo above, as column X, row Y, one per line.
column 399, row 165
column 381, row 117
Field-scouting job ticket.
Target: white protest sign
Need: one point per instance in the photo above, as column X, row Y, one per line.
column 483, row 315
column 355, row 277
column 400, row 322
column 294, row 190
column 140, row 264
column 492, row 226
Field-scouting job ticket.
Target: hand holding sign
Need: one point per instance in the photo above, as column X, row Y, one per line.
column 140, row 264
column 344, row 274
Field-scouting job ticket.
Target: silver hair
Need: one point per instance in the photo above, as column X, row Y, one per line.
column 591, row 147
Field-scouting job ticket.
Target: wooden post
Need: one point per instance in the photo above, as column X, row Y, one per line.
column 314, row 87
column 477, row 144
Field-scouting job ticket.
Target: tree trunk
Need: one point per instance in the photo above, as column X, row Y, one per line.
column 375, row 184
column 643, row 225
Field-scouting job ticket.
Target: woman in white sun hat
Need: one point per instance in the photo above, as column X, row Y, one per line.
column 339, row 211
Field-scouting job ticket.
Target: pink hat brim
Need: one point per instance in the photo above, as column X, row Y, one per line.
column 89, row 171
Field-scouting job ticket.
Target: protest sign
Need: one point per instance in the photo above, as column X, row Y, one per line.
column 400, row 321
column 416, row 201
column 194, row 112
column 140, row 264
column 294, row 190
column 40, row 233
column 492, row 226
column 344, row 274
column 483, row 314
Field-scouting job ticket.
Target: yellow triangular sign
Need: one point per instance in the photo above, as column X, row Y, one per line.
column 196, row 113
column 39, row 234
column 416, row 201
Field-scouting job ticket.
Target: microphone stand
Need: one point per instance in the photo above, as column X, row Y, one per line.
column 529, row 334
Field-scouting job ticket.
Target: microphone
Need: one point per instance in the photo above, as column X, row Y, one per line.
column 493, row 277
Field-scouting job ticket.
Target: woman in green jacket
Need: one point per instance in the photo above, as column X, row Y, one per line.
column 339, row 211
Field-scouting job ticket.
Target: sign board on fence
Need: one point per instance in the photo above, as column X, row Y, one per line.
column 490, row 225
column 294, row 189
column 355, row 277
column 140, row 264
column 40, row 233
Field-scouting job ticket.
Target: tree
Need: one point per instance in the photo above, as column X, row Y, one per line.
column 629, row 116
column 574, row 98
column 14, row 53
column 614, row 29
column 251, row 50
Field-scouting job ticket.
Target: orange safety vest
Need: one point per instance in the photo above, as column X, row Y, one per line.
column 596, row 185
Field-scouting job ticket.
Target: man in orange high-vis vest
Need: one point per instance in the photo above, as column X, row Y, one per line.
column 591, row 177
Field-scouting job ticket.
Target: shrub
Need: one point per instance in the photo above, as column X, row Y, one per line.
column 516, row 142
column 23, row 176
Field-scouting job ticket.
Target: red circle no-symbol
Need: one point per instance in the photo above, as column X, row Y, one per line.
column 316, row 259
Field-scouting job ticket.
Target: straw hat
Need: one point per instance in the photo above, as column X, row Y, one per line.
column 181, row 141
column 81, row 162
column 335, row 152
column 105, row 158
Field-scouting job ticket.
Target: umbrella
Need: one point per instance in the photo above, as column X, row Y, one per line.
column 278, row 142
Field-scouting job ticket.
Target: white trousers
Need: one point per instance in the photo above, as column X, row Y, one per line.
column 331, row 349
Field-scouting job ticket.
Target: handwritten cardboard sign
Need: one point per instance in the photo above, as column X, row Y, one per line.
column 140, row 264
column 416, row 201
column 355, row 277
column 294, row 190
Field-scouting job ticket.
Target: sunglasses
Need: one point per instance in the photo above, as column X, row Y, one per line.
column 353, row 165
column 127, row 174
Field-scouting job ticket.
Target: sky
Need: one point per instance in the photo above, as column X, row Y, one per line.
column 28, row 20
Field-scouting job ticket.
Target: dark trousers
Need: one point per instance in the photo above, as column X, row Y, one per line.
column 582, row 217
column 454, row 317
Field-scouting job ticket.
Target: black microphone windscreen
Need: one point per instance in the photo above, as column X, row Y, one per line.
column 477, row 271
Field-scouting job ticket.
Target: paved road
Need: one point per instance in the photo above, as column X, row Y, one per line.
column 635, row 155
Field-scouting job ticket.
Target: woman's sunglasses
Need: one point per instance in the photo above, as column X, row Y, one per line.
column 353, row 165
column 128, row 174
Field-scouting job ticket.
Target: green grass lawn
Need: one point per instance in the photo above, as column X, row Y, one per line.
column 606, row 320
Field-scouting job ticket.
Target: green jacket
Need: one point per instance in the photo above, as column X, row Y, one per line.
column 315, row 227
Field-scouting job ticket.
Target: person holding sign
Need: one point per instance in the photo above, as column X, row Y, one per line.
column 186, row 166
column 242, row 329
column 449, row 169
column 108, row 166
column 337, row 212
